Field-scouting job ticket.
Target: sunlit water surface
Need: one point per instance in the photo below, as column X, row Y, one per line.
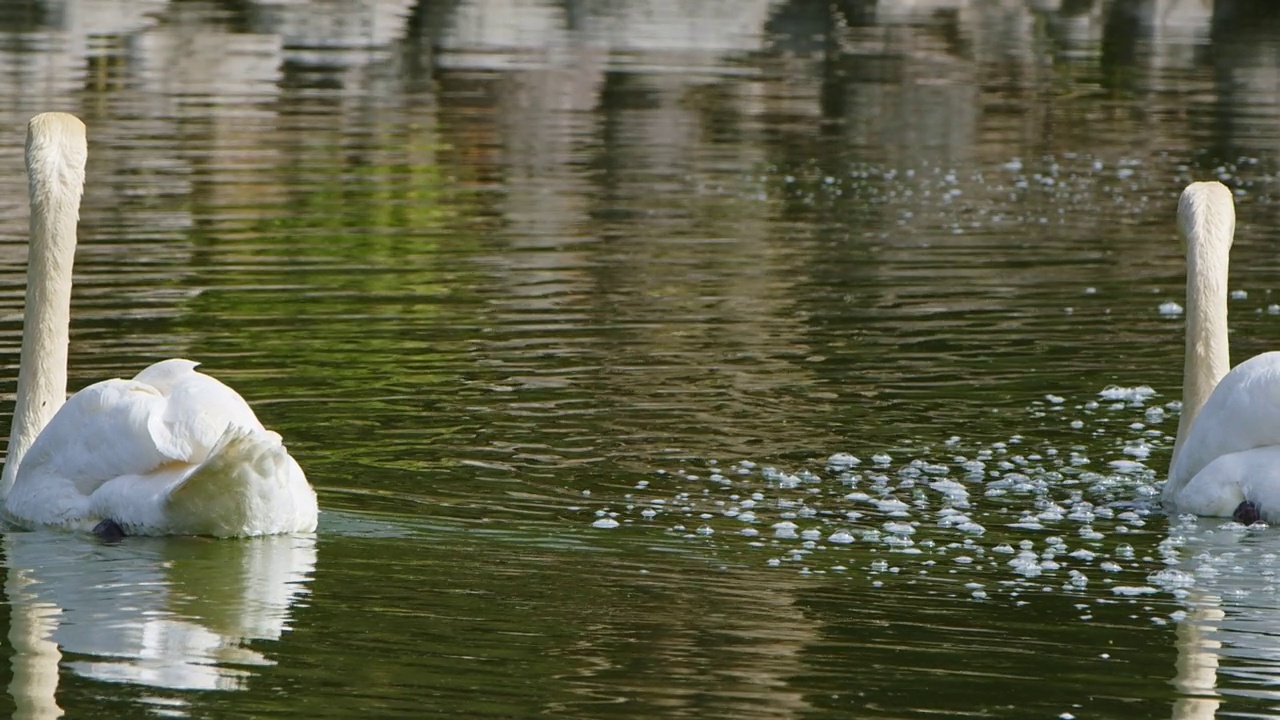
column 659, row 359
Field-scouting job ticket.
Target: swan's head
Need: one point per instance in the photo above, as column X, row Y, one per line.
column 56, row 155
column 1206, row 217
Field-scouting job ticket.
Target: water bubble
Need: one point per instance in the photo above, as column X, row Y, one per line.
column 842, row 461
column 840, row 537
column 892, row 506
column 1133, row 591
column 1128, row 394
column 785, row 530
column 1171, row 578
column 1127, row 467
column 1026, row 564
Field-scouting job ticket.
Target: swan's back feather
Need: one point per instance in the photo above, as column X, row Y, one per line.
column 132, row 427
column 1242, row 413
column 197, row 412
column 122, row 448
column 101, row 432
column 249, row 485
column 164, row 375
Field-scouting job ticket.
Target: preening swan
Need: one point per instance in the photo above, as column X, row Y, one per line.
column 170, row 452
column 1226, row 459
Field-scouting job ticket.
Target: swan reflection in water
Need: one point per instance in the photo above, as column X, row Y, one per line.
column 1228, row 580
column 177, row 613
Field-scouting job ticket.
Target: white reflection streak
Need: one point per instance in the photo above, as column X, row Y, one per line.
column 165, row 613
column 1230, row 588
column 1197, row 668
column 35, row 656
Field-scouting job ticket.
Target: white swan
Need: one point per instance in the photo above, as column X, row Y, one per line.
column 172, row 451
column 1226, row 459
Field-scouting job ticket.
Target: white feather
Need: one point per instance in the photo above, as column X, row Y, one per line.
column 188, row 457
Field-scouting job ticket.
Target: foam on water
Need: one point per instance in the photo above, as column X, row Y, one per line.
column 1006, row 521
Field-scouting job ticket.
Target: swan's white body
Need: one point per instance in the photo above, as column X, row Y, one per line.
column 172, row 451
column 1228, row 446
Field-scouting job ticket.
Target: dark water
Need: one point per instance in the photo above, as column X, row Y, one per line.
column 571, row 309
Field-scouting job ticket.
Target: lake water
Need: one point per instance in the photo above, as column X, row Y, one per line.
column 659, row 358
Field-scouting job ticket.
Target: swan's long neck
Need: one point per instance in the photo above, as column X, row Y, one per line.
column 1206, row 220
column 55, row 155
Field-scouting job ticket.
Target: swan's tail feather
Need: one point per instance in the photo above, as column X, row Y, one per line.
column 249, row 485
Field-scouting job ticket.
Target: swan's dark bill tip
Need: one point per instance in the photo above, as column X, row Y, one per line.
column 1247, row 513
column 109, row 531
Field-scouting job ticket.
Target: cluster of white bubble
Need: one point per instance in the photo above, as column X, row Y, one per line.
column 1002, row 519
